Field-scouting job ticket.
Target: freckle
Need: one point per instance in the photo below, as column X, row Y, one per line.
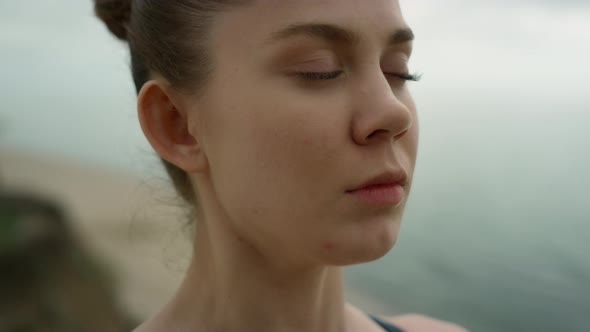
column 328, row 245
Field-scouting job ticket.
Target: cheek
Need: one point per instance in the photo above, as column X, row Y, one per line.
column 289, row 150
column 274, row 171
column 274, row 156
column 410, row 141
column 411, row 146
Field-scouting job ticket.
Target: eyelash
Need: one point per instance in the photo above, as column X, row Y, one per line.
column 312, row 76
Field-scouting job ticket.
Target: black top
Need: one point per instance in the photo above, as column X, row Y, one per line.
column 388, row 327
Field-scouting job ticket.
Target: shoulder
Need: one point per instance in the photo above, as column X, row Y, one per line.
column 421, row 323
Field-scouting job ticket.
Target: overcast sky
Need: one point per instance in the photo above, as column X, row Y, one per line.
column 65, row 80
column 497, row 49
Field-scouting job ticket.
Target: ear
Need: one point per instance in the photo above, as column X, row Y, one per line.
column 165, row 126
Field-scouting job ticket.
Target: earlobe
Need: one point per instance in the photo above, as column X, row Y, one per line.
column 166, row 127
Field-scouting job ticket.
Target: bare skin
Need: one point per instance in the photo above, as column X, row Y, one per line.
column 273, row 155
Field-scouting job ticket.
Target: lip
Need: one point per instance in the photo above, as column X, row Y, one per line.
column 393, row 177
column 385, row 189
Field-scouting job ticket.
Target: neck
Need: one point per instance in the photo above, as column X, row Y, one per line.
column 230, row 287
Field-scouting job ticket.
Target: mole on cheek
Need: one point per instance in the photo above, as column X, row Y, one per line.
column 328, row 245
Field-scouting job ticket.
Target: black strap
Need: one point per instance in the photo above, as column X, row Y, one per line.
column 388, row 327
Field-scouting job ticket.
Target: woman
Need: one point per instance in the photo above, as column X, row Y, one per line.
column 289, row 127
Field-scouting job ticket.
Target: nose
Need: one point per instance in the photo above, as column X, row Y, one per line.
column 379, row 114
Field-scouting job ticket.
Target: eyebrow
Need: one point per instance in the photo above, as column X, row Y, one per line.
column 336, row 34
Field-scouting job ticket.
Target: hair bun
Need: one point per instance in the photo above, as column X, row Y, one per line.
column 115, row 14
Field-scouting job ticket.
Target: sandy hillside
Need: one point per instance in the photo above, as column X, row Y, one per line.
column 130, row 223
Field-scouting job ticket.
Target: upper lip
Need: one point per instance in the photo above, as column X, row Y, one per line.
column 389, row 177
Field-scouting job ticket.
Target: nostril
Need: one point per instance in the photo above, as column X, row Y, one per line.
column 400, row 135
column 377, row 132
column 383, row 132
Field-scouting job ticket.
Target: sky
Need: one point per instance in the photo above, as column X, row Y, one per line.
column 66, row 88
column 503, row 49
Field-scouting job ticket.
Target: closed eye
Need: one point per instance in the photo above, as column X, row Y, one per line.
column 315, row 76
column 405, row 77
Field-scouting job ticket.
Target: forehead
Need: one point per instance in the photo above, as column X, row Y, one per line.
column 258, row 20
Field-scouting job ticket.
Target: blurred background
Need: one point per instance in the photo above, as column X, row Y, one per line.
column 495, row 236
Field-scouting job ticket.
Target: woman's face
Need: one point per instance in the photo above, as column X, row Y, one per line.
column 307, row 102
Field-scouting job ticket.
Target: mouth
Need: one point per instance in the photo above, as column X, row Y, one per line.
column 385, row 189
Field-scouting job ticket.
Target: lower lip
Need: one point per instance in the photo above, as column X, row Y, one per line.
column 380, row 195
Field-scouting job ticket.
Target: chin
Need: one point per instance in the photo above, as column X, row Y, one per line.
column 361, row 249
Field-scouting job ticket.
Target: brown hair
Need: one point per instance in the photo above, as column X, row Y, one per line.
column 168, row 37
